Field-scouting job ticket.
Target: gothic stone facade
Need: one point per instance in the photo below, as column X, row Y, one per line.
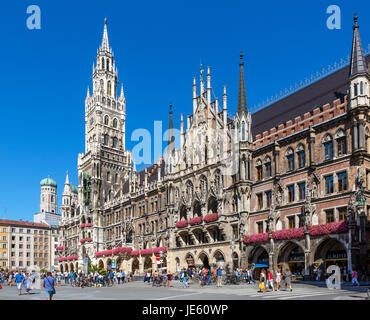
column 225, row 196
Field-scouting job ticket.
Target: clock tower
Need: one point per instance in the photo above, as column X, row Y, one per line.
column 105, row 163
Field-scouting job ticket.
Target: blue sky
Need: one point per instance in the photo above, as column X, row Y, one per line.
column 158, row 47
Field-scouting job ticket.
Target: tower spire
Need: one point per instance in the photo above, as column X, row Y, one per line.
column 242, row 100
column 105, row 42
column 358, row 62
column 171, row 137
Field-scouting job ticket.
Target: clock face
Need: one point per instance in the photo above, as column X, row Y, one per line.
column 91, row 120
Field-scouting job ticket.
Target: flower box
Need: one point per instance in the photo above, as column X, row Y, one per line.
column 75, row 257
column 196, row 220
column 88, row 225
column 108, row 252
column 182, row 224
column 82, row 240
column 98, row 254
column 134, row 253
column 146, row 252
column 88, row 239
column 333, row 227
column 163, row 249
column 287, row 234
column 70, row 258
column 254, row 238
column 211, row 217
column 82, row 225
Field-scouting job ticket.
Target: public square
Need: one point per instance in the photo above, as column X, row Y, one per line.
column 139, row 290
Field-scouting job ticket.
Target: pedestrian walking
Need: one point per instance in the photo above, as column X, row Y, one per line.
column 169, row 279
column 270, row 280
column 262, row 287
column 278, row 279
column 219, row 276
column 10, row 279
column 355, row 278
column 49, row 286
column 185, row 279
column 19, row 279
column 288, row 279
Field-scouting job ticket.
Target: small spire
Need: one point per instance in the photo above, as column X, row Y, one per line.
column 134, row 166
column 87, row 95
column 242, row 99
column 358, row 62
column 67, row 178
column 105, row 42
column 171, row 136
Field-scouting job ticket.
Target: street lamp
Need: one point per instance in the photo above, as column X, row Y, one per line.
column 232, row 246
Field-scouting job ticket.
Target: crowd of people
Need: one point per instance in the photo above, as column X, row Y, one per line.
column 206, row 276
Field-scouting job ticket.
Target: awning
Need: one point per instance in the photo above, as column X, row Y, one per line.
column 260, row 266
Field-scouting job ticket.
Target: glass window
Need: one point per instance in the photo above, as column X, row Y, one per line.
column 259, row 201
column 342, row 213
column 260, row 227
column 328, row 150
column 302, row 190
column 329, row 215
column 291, row 222
column 268, row 169
column 329, row 184
column 342, row 146
column 259, row 173
column 301, row 159
column 115, row 142
column 106, row 138
column 342, row 181
column 268, row 199
column 291, row 193
column 290, row 159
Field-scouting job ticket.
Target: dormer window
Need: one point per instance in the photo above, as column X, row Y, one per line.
column 259, row 169
column 328, row 147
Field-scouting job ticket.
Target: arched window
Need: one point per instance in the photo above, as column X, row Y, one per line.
column 108, row 64
column 102, row 85
column 106, row 138
column 102, row 63
column 290, row 159
column 361, row 87
column 328, row 147
column 114, row 123
column 106, row 120
column 301, row 156
column 259, row 169
column 109, row 88
column 115, row 142
column 243, row 131
column 355, row 90
column 267, row 162
column 203, row 185
column 341, row 140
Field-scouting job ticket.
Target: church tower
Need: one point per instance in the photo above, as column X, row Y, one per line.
column 105, row 163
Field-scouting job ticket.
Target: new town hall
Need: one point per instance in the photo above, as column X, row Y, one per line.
column 286, row 186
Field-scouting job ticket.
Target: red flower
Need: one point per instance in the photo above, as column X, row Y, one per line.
column 196, row 220
column 258, row 237
column 333, row 227
column 82, row 225
column 146, row 252
column 286, row 234
column 156, row 250
column 82, row 240
column 88, row 225
column 134, row 253
column 182, row 223
column 108, row 252
column 211, row 217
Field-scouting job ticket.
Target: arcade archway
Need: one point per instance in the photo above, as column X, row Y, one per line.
column 331, row 252
column 189, row 258
column 291, row 256
column 101, row 264
column 203, row 258
column 135, row 266
column 147, row 264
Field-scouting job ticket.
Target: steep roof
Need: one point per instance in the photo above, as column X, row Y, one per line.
column 23, row 223
column 358, row 63
column 317, row 94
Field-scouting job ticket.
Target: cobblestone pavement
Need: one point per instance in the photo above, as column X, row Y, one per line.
column 143, row 291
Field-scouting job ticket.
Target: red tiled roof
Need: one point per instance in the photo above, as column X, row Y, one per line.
column 23, row 223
